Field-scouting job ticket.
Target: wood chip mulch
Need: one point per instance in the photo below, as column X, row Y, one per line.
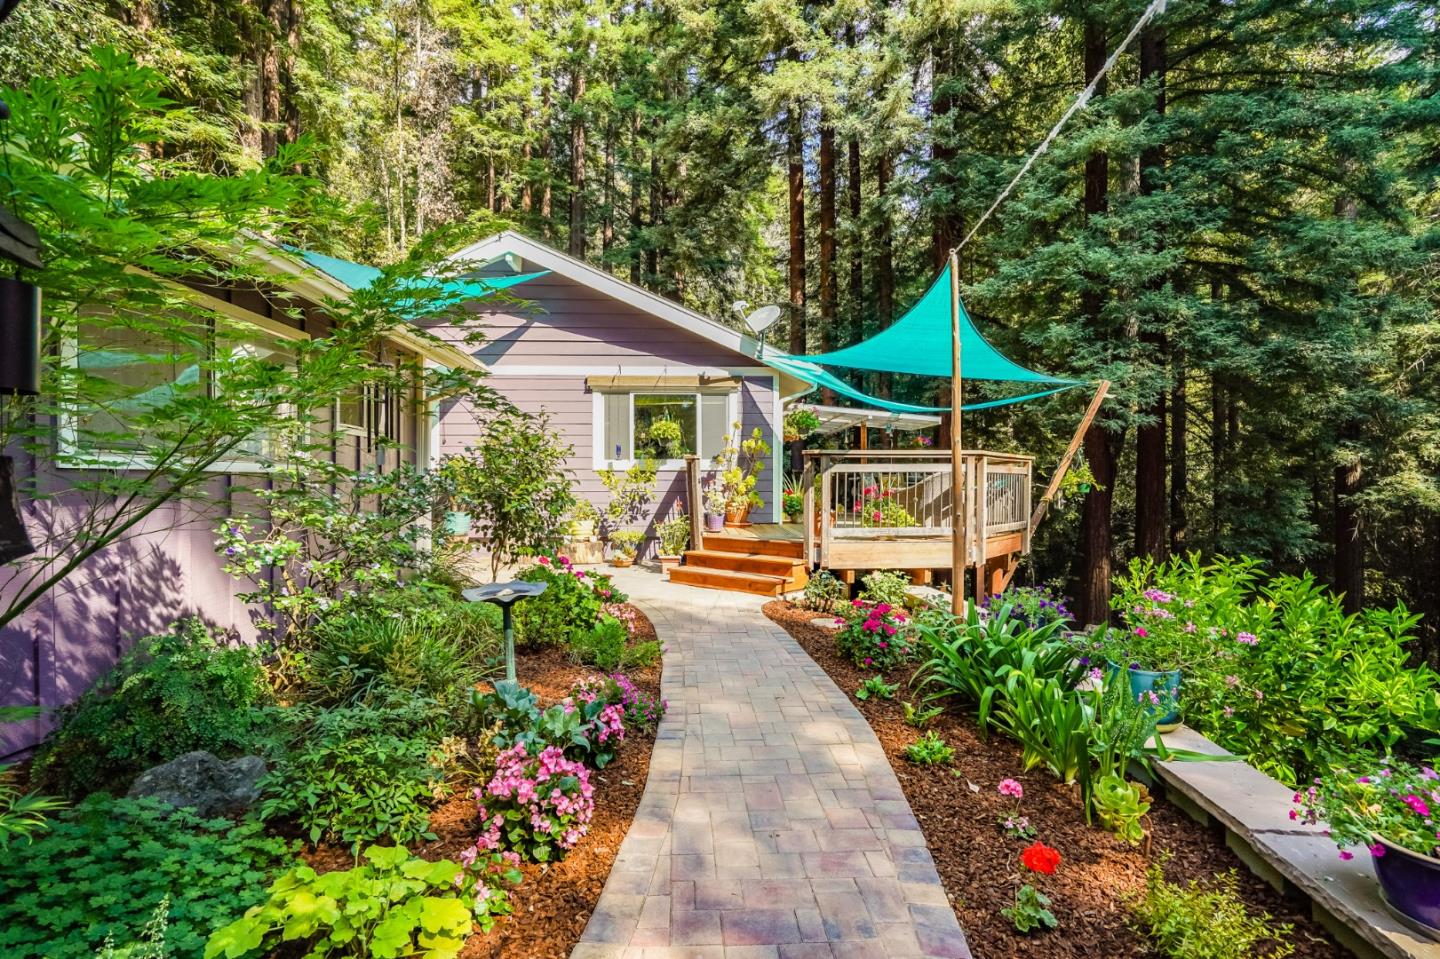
column 555, row 900
column 958, row 808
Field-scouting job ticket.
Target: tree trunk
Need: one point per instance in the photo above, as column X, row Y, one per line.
column 856, row 331
column 829, row 285
column 1096, row 535
column 884, row 262
column 1179, row 455
column 1218, row 459
column 577, row 166
column 607, row 226
column 657, row 216
column 546, row 149
column 795, row 171
column 636, row 223
column 1349, row 547
column 1150, row 518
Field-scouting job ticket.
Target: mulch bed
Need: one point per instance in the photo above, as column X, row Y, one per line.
column 554, row 902
column 979, row 865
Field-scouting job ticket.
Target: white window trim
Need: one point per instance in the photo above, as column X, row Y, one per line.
column 69, row 454
column 597, row 426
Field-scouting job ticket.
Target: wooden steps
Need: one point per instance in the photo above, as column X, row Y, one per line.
column 766, row 567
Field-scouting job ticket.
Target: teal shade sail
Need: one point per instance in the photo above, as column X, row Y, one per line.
column 919, row 342
column 358, row 276
column 801, row 368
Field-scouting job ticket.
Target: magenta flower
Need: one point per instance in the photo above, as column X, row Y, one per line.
column 1377, row 850
column 1346, row 854
column 1009, row 787
column 1140, row 631
column 1417, row 804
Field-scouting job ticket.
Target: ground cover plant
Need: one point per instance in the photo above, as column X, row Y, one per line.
column 104, row 866
column 1195, row 921
column 169, row 694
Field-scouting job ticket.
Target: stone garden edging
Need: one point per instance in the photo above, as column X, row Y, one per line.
column 1253, row 809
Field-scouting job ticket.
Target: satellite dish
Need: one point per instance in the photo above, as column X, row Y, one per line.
column 763, row 318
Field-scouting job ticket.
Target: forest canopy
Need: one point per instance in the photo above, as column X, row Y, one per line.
column 1239, row 231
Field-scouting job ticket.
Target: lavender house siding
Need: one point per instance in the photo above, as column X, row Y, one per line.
column 542, row 354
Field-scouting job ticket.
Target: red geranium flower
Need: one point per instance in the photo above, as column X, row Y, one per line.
column 1038, row 857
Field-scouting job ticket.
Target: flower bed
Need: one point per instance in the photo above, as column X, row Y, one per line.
column 962, row 812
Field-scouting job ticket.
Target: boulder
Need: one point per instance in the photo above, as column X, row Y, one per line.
column 200, row 781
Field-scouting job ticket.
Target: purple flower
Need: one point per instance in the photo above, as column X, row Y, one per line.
column 1249, row 639
column 1346, row 854
column 1377, row 850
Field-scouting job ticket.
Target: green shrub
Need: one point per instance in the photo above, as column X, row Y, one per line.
column 823, row 591
column 569, row 607
column 1193, row 922
column 1037, row 605
column 929, row 750
column 168, row 695
column 885, row 586
column 1275, row 671
column 604, row 645
column 876, row 636
column 391, row 905
column 588, row 728
column 360, row 773
column 437, row 653
column 106, row 865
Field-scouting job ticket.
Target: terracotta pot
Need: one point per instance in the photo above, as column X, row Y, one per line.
column 668, row 562
column 622, row 561
column 735, row 516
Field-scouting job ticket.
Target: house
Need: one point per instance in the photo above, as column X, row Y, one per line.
column 169, row 568
column 606, row 358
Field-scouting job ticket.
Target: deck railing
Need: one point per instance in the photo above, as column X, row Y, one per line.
column 867, row 509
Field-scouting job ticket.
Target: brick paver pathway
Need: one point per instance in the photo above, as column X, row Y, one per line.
column 772, row 826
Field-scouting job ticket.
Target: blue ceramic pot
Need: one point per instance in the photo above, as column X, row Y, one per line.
column 1411, row 886
column 457, row 524
column 1163, row 683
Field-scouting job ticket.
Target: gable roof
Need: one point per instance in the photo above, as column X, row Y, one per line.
column 539, row 254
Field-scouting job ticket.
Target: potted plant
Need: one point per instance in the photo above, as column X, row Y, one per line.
column 800, row 422
column 1390, row 808
column 714, row 508
column 674, row 536
column 740, row 468
column 667, row 438
column 583, row 517
column 793, row 503
column 461, row 479
column 625, row 543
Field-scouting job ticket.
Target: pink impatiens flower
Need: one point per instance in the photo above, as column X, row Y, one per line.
column 1009, row 787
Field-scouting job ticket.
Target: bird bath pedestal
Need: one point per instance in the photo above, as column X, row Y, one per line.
column 505, row 595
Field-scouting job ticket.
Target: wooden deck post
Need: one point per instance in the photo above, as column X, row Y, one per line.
column 957, row 465
column 697, row 502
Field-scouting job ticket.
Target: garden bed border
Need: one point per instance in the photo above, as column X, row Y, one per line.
column 1253, row 811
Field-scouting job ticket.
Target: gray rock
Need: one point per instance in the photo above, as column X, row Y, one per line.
column 200, row 781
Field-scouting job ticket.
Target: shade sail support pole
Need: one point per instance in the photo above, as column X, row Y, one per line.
column 1070, row 451
column 957, row 465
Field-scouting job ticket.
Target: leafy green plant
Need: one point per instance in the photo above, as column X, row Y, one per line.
column 885, row 586
column 674, row 534
column 360, row 773
column 538, row 804
column 392, row 905
column 168, row 695
column 150, row 945
column 877, row 687
column 739, row 464
column 1121, row 806
column 1275, row 670
column 22, row 815
column 630, row 493
column 971, row 659
column 1037, row 605
column 365, row 655
column 1389, row 800
column 1031, row 910
column 520, row 492
column 604, row 646
column 929, row 750
column 823, row 591
column 626, row 543
column 1196, row 922
column 875, row 635
column 106, row 865
column 800, row 422
column 918, row 716
column 572, row 602
column 586, row 727
column 1051, row 722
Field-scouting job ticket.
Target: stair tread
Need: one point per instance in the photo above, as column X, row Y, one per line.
column 768, row 558
column 687, row 571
